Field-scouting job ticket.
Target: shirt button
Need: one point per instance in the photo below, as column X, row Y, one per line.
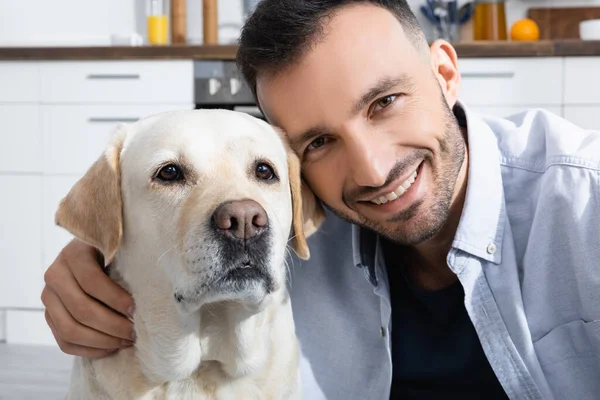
column 491, row 249
column 382, row 331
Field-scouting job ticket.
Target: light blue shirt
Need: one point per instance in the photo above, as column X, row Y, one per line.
column 527, row 253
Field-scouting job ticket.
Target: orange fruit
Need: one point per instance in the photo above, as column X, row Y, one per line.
column 525, row 29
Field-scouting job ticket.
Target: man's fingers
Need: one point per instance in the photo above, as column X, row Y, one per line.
column 74, row 349
column 89, row 275
column 89, row 312
column 71, row 332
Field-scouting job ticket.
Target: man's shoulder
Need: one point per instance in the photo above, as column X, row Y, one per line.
column 550, row 171
column 537, row 140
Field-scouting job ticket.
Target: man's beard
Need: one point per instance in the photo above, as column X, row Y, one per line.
column 425, row 224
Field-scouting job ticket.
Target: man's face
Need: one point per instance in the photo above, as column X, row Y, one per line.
column 366, row 112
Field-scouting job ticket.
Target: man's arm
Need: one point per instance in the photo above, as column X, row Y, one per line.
column 81, row 300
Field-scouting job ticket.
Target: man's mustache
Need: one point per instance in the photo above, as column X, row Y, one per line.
column 401, row 168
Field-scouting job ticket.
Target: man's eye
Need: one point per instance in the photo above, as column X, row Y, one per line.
column 385, row 101
column 315, row 144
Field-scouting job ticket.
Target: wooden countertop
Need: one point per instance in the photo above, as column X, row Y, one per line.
column 545, row 48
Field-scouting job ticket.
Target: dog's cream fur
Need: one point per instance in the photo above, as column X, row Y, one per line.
column 224, row 343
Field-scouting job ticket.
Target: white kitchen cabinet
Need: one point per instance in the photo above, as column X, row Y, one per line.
column 2, row 326
column 57, row 117
column 582, row 82
column 74, row 136
column 588, row 117
column 28, row 327
column 19, row 81
column 117, row 82
column 505, row 111
column 21, row 241
column 582, row 91
column 21, row 149
column 512, row 82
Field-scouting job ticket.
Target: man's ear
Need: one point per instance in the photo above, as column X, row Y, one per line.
column 92, row 210
column 444, row 62
column 308, row 213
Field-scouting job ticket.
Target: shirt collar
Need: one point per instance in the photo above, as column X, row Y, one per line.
column 481, row 228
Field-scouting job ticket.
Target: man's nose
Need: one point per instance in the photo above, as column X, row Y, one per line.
column 369, row 159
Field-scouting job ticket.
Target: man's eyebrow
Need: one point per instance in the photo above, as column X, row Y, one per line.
column 381, row 86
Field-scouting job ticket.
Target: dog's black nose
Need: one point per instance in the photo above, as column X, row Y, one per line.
column 242, row 219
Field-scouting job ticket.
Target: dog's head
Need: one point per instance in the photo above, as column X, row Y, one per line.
column 206, row 197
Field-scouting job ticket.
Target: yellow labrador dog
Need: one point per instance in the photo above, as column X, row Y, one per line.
column 193, row 212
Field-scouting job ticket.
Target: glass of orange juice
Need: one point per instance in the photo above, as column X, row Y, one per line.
column 157, row 22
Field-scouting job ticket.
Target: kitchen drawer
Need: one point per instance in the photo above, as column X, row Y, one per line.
column 587, row 117
column 19, row 82
column 54, row 237
column 74, row 136
column 21, row 241
column 21, row 149
column 582, row 80
column 511, row 81
column 117, row 82
column 506, row 111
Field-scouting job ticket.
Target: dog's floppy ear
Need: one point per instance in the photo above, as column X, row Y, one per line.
column 308, row 214
column 92, row 210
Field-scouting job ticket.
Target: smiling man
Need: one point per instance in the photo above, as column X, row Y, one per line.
column 460, row 258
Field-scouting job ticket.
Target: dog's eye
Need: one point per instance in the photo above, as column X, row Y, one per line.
column 264, row 172
column 170, row 173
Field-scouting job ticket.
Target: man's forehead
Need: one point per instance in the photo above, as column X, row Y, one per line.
column 356, row 38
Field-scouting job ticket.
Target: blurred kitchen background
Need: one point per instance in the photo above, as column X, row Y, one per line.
column 70, row 70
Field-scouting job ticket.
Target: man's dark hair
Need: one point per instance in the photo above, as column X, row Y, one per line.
column 279, row 32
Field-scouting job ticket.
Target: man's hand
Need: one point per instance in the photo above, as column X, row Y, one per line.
column 81, row 300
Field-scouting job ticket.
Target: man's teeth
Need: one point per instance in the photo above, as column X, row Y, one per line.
column 398, row 192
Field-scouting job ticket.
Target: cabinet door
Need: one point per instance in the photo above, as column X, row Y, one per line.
column 582, row 85
column 21, row 149
column 54, row 237
column 19, row 82
column 511, row 81
column 28, row 327
column 2, row 325
column 118, row 81
column 587, row 117
column 74, row 136
column 21, row 241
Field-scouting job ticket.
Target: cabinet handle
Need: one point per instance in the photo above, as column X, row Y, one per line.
column 252, row 110
column 112, row 119
column 113, row 76
column 488, row 74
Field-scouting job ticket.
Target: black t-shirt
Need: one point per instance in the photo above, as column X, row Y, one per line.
column 436, row 353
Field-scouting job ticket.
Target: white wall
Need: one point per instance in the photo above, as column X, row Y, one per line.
column 73, row 22
column 76, row 22
column 63, row 21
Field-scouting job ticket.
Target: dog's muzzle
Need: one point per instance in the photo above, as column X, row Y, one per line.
column 235, row 259
column 242, row 233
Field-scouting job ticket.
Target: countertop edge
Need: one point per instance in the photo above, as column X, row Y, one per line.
column 545, row 48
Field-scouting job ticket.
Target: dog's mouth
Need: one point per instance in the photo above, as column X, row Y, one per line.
column 246, row 271
column 247, row 279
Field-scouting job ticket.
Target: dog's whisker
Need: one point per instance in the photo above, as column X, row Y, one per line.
column 162, row 255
